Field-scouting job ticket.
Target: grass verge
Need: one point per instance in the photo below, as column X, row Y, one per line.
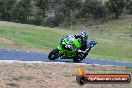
column 114, row 38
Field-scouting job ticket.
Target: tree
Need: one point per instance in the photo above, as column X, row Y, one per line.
column 43, row 7
column 129, row 6
column 94, row 9
column 115, row 6
column 69, row 9
column 22, row 12
column 5, row 9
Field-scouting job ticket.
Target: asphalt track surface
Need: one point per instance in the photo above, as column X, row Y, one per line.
column 11, row 55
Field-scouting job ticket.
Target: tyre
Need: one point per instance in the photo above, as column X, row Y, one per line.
column 85, row 55
column 53, row 54
column 78, row 58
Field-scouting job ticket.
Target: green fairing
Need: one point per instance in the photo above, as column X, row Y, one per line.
column 70, row 53
column 60, row 48
column 75, row 43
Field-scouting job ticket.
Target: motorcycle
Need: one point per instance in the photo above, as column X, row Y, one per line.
column 69, row 48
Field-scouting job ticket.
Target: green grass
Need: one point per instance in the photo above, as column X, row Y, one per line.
column 114, row 38
column 116, row 46
column 29, row 36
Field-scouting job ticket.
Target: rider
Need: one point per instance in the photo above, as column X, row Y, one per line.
column 83, row 36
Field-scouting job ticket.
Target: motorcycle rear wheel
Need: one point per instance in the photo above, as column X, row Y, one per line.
column 78, row 58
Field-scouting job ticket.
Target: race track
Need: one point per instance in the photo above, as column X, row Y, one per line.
column 11, row 55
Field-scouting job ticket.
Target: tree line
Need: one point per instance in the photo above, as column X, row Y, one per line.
column 65, row 11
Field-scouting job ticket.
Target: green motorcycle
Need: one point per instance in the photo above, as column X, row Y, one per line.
column 69, row 48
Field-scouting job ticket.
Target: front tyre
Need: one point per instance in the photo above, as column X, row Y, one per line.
column 53, row 54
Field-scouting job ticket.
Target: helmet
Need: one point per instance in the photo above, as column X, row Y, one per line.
column 84, row 34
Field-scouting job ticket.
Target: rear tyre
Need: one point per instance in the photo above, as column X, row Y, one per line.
column 53, row 54
column 78, row 58
column 85, row 55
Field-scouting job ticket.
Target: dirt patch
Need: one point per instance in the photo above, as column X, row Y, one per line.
column 6, row 41
column 53, row 75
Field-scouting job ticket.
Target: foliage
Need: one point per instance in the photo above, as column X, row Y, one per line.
column 5, row 9
column 43, row 6
column 129, row 6
column 21, row 12
column 115, row 6
column 69, row 9
column 66, row 11
column 94, row 8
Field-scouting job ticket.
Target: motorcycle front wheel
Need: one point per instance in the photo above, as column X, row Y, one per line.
column 53, row 54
